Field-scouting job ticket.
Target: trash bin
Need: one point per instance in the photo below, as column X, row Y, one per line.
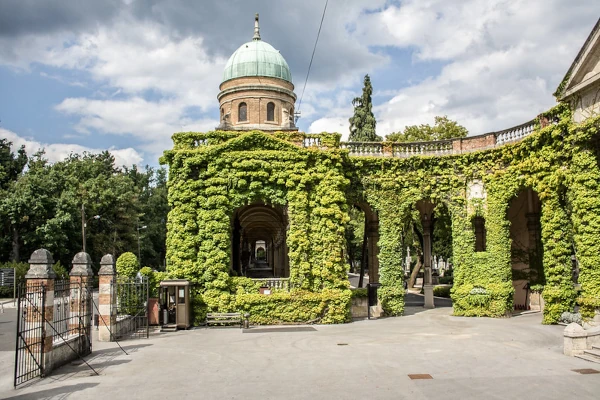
column 372, row 293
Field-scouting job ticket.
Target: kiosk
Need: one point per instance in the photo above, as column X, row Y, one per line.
column 175, row 304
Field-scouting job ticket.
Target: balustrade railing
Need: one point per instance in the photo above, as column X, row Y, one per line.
column 409, row 149
column 311, row 141
column 363, row 148
column 515, row 133
column 436, row 148
column 274, row 283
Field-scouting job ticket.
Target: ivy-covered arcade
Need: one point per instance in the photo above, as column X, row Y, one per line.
column 291, row 193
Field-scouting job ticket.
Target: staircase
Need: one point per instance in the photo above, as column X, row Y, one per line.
column 168, row 328
column 592, row 355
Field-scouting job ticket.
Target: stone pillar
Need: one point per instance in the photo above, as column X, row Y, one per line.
column 42, row 310
column 107, row 300
column 426, row 210
column 80, row 279
column 373, row 250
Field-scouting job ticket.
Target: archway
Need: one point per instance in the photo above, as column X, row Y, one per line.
column 526, row 248
column 258, row 237
column 362, row 235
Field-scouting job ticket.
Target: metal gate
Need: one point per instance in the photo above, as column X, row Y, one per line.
column 40, row 328
column 131, row 307
column 31, row 333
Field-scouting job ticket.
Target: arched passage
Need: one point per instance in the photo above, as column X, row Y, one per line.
column 259, row 247
column 367, row 256
column 526, row 247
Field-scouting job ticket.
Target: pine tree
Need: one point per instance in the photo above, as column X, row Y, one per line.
column 362, row 123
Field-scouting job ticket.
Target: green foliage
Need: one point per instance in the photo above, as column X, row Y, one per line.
column 446, row 280
column 443, row 128
column 154, row 279
column 362, row 123
column 442, row 291
column 359, row 293
column 127, row 265
column 41, row 207
column 208, row 183
column 212, row 174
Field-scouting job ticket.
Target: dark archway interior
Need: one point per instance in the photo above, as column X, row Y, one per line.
column 526, row 246
column 259, row 247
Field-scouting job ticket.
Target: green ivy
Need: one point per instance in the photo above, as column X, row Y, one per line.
column 213, row 174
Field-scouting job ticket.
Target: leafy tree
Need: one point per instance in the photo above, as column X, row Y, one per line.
column 127, row 265
column 11, row 164
column 362, row 123
column 443, row 128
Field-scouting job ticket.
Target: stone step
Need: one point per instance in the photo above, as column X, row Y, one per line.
column 595, row 347
column 593, row 353
column 593, row 359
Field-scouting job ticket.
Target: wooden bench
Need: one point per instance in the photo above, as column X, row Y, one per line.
column 224, row 319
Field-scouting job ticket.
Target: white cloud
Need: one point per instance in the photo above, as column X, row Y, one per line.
column 59, row 151
column 503, row 58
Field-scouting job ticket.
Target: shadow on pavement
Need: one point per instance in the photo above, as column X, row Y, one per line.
column 63, row 391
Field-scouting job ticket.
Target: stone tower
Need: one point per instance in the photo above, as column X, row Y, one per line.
column 257, row 90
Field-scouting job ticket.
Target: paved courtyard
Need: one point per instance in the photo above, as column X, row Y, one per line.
column 467, row 358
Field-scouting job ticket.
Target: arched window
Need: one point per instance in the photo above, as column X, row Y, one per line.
column 270, row 111
column 480, row 234
column 222, row 114
column 242, row 112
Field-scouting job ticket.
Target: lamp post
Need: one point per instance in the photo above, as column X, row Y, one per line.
column 139, row 228
column 84, row 222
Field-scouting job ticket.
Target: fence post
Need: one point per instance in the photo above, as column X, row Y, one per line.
column 41, row 273
column 80, row 284
column 106, row 298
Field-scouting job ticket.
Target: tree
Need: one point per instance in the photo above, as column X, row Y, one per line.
column 127, row 265
column 362, row 123
column 443, row 128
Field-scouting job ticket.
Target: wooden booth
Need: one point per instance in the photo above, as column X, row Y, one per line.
column 175, row 304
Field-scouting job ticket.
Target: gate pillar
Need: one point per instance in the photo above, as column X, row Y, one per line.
column 41, row 273
column 81, row 308
column 107, row 300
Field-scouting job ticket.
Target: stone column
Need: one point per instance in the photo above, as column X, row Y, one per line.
column 107, row 300
column 373, row 250
column 426, row 210
column 80, row 279
column 41, row 309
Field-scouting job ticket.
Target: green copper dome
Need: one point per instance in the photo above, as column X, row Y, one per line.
column 257, row 58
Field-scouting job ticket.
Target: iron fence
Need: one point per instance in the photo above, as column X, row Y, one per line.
column 31, row 333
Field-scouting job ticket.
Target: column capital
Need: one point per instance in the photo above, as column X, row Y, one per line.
column 40, row 265
column 107, row 265
column 82, row 265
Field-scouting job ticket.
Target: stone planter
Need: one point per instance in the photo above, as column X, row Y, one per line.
column 536, row 301
column 359, row 307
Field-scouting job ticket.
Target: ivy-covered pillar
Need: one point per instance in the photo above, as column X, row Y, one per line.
column 558, row 293
column 584, row 197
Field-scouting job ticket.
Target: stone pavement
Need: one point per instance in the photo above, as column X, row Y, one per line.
column 467, row 358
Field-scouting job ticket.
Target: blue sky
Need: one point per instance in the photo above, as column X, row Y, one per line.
column 125, row 74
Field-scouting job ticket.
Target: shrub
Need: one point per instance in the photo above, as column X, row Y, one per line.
column 359, row 293
column 127, row 265
column 446, row 280
column 442, row 291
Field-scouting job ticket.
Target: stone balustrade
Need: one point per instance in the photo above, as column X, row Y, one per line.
column 274, row 283
column 400, row 150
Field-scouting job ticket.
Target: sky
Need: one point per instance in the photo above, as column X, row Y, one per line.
column 124, row 75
